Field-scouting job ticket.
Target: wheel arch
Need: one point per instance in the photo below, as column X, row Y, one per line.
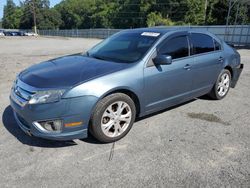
column 129, row 93
column 230, row 70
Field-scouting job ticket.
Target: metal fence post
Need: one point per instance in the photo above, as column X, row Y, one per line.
column 240, row 35
column 248, row 33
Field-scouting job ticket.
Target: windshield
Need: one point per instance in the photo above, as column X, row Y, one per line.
column 125, row 47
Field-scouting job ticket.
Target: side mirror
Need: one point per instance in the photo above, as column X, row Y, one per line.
column 162, row 60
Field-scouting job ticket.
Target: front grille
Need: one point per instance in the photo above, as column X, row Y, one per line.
column 21, row 92
column 24, row 94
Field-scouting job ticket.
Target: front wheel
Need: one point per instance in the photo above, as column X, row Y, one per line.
column 222, row 85
column 113, row 117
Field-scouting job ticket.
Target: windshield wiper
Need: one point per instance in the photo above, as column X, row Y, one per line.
column 86, row 54
column 98, row 57
column 94, row 56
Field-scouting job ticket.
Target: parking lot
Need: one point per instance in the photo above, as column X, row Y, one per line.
column 197, row 144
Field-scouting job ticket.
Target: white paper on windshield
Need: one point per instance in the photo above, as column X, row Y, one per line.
column 150, row 34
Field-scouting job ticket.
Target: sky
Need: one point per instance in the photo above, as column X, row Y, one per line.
column 3, row 2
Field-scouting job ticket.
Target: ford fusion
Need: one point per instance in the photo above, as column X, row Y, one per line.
column 131, row 74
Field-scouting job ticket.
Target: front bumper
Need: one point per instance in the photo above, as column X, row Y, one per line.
column 236, row 74
column 61, row 136
column 68, row 110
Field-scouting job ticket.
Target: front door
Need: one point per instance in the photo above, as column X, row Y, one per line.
column 166, row 85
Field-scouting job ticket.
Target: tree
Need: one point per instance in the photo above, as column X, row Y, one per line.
column 102, row 16
column 12, row 15
column 86, row 13
column 131, row 13
column 83, row 14
column 196, row 12
column 156, row 19
column 210, row 7
column 74, row 12
column 171, row 9
column 50, row 19
column 39, row 11
column 218, row 9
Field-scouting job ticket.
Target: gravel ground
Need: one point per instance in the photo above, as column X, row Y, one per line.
column 202, row 143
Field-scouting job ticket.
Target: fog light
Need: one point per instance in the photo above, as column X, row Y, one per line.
column 49, row 126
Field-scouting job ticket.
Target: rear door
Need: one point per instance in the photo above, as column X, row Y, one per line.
column 208, row 60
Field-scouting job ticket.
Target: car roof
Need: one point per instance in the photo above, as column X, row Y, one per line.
column 149, row 29
column 175, row 29
column 163, row 30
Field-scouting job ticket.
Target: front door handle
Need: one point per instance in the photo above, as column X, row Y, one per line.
column 221, row 59
column 187, row 67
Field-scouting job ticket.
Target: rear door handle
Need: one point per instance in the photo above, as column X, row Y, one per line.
column 187, row 67
column 221, row 59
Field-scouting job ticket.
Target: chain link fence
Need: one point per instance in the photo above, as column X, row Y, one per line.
column 81, row 33
column 234, row 34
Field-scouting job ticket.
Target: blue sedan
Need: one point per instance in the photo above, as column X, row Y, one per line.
column 131, row 74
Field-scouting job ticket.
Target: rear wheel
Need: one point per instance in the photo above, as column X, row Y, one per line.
column 222, row 85
column 113, row 117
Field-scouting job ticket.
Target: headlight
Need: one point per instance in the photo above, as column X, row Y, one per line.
column 46, row 96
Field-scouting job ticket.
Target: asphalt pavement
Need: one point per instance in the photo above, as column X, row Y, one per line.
column 202, row 143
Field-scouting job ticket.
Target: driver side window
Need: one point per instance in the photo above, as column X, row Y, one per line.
column 176, row 47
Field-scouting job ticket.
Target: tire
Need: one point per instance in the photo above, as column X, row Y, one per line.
column 112, row 117
column 221, row 88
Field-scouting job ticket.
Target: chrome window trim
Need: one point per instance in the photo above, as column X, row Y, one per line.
column 170, row 35
column 206, row 53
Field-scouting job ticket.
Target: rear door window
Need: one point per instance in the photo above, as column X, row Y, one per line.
column 201, row 43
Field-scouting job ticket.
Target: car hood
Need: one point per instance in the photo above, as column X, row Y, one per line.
column 68, row 71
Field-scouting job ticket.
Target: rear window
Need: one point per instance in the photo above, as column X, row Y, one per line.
column 202, row 43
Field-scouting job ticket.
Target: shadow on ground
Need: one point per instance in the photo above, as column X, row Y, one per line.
column 11, row 125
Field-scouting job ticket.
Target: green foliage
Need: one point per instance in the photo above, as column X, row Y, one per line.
column 196, row 12
column 49, row 19
column 156, row 19
column 46, row 17
column 210, row 12
column 131, row 13
column 218, row 9
column 73, row 13
column 81, row 14
column 12, row 15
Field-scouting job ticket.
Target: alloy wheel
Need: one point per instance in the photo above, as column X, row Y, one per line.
column 116, row 119
column 223, row 84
